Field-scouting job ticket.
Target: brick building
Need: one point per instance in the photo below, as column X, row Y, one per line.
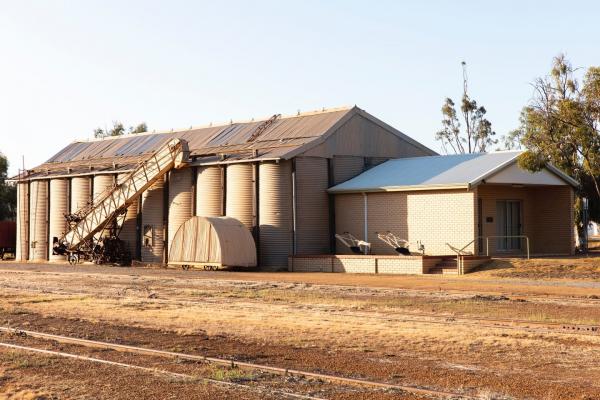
column 484, row 204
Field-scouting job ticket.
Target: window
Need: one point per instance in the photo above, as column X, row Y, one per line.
column 148, row 236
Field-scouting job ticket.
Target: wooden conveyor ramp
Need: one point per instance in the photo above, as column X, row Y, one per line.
column 112, row 203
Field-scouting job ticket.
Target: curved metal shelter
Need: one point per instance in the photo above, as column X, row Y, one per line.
column 213, row 242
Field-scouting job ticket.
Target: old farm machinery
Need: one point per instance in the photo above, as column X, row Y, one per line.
column 94, row 229
column 102, row 248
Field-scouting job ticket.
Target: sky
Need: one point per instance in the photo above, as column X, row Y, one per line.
column 67, row 67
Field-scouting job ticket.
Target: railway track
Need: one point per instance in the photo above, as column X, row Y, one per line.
column 498, row 323
column 425, row 318
column 514, row 293
column 221, row 361
column 155, row 371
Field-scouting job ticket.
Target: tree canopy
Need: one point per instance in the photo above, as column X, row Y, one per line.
column 8, row 192
column 560, row 125
column 118, row 129
column 476, row 135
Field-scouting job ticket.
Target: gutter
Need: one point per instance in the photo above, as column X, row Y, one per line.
column 105, row 172
column 249, row 160
column 408, row 188
column 62, row 176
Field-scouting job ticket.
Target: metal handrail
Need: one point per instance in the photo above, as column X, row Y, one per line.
column 487, row 242
column 460, row 252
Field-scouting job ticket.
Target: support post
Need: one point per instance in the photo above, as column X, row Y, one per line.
column 366, row 221
column 294, row 210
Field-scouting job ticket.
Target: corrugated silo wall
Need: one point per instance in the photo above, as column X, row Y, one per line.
column 239, row 198
column 312, row 206
column 80, row 192
column 209, row 191
column 275, row 214
column 180, row 200
column 347, row 167
column 129, row 231
column 59, row 203
column 100, row 184
column 38, row 226
column 153, row 232
column 22, row 222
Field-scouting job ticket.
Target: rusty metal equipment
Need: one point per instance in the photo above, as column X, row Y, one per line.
column 107, row 212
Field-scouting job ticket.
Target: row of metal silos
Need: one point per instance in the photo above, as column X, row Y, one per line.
column 42, row 205
column 283, row 203
column 257, row 194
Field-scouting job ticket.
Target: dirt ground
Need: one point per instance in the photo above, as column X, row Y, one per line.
column 429, row 332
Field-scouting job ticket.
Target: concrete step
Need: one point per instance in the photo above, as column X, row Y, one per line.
column 443, row 271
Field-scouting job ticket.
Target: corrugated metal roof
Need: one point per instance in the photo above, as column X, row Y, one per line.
column 461, row 170
column 280, row 138
column 283, row 138
column 284, row 132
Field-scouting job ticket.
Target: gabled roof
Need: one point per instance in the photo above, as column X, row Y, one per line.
column 435, row 172
column 284, row 138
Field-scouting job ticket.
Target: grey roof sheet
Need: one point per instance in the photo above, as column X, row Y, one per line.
column 449, row 170
column 281, row 137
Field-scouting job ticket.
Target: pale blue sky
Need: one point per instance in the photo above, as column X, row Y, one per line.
column 67, row 67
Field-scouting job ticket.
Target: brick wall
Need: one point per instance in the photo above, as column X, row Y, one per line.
column 451, row 216
column 405, row 265
column 355, row 265
column 349, row 217
column 439, row 217
column 433, row 217
column 387, row 212
column 361, row 264
column 554, row 220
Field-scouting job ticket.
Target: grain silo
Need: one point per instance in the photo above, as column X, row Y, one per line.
column 102, row 183
column 153, row 229
column 209, row 191
column 129, row 230
column 59, row 203
column 275, row 215
column 180, row 200
column 80, row 193
column 271, row 174
column 38, row 220
column 311, row 175
column 22, row 251
column 240, row 193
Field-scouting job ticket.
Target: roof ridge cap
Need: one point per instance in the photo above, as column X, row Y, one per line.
column 219, row 124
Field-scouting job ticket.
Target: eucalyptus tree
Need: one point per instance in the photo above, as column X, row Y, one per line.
column 560, row 125
column 474, row 134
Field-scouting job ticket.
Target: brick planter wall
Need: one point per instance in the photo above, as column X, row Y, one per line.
column 362, row 264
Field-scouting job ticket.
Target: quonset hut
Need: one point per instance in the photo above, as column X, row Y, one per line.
column 272, row 175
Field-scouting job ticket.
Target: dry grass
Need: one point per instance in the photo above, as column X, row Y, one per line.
column 332, row 319
column 578, row 268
